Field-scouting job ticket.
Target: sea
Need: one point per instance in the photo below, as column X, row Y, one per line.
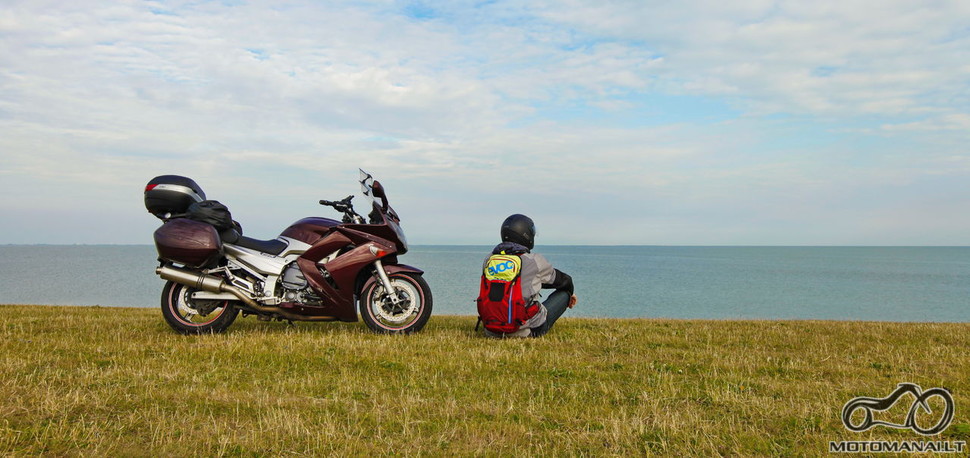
column 911, row 284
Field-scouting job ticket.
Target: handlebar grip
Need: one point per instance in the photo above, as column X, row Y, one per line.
column 326, row 202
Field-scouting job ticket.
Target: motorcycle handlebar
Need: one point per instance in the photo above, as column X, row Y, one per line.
column 345, row 202
column 346, row 207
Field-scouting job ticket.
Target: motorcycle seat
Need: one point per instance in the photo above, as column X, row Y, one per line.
column 273, row 247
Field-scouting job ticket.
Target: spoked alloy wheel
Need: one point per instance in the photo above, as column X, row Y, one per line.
column 192, row 316
column 411, row 312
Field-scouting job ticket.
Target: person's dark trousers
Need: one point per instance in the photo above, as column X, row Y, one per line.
column 556, row 304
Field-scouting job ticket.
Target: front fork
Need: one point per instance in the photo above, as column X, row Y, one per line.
column 388, row 288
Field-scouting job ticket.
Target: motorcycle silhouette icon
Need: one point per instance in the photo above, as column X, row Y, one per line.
column 880, row 404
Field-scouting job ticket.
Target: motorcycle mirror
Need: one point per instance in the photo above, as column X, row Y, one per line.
column 378, row 191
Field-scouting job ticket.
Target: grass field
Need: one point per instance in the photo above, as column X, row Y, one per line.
column 116, row 381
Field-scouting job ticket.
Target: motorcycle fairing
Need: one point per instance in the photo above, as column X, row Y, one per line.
column 310, row 230
column 343, row 270
column 265, row 264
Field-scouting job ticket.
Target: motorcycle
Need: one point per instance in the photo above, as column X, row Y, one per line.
column 318, row 269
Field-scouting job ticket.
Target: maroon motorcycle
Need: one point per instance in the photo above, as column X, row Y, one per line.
column 318, row 269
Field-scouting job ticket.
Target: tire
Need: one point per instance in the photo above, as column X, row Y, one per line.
column 409, row 316
column 195, row 317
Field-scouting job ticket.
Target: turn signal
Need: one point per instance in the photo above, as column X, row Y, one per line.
column 377, row 251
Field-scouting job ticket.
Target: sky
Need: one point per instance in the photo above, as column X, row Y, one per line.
column 633, row 122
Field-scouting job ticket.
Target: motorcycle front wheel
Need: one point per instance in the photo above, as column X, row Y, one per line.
column 192, row 316
column 411, row 312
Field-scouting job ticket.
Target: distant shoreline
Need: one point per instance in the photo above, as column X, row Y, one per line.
column 538, row 247
column 472, row 318
column 896, row 284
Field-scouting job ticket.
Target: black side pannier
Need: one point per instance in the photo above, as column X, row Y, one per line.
column 211, row 212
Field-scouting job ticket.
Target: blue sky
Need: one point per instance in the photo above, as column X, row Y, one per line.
column 624, row 122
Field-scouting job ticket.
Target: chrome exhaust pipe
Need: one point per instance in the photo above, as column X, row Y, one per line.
column 204, row 282
column 214, row 284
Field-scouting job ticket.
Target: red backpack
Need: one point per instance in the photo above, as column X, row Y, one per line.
column 500, row 304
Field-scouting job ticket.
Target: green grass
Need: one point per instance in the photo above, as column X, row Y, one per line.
column 116, row 381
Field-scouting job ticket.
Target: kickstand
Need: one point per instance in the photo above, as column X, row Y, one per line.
column 478, row 323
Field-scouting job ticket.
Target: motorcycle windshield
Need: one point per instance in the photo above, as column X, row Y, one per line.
column 391, row 218
column 367, row 187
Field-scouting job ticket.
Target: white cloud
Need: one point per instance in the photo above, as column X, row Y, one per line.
column 833, row 58
column 283, row 101
column 959, row 122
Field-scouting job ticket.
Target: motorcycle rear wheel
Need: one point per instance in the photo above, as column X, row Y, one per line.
column 410, row 314
column 188, row 316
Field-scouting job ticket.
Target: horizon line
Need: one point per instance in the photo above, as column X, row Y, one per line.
column 566, row 245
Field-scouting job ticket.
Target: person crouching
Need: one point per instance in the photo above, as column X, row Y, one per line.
column 512, row 277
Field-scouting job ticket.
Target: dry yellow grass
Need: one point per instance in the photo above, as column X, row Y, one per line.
column 113, row 381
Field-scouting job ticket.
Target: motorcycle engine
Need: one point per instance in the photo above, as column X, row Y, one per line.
column 294, row 287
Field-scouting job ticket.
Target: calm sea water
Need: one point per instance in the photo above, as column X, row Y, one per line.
column 832, row 283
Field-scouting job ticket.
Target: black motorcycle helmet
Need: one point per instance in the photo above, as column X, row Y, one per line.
column 519, row 229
